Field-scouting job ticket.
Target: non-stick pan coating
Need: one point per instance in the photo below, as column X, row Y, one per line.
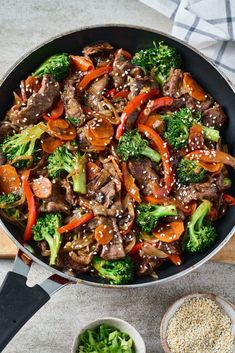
column 134, row 39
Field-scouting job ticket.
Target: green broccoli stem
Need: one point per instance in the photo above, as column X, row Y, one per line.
column 211, row 134
column 79, row 178
column 163, row 211
column 200, row 213
column 151, row 154
column 54, row 245
column 227, row 182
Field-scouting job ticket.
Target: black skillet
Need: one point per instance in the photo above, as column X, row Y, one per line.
column 18, row 302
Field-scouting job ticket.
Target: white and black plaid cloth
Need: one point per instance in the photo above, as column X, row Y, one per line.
column 208, row 25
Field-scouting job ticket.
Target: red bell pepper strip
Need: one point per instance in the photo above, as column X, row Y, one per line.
column 212, row 156
column 92, row 75
column 151, row 107
column 111, row 93
column 230, row 200
column 132, row 106
column 136, row 248
column 122, row 94
column 129, row 183
column 76, row 223
column 161, row 146
column 57, row 111
column 31, row 205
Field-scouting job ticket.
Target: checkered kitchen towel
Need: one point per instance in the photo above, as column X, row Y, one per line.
column 208, row 25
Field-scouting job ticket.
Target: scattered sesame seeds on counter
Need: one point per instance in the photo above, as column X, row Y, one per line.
column 200, row 325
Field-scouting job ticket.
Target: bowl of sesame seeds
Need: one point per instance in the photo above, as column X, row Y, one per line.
column 199, row 323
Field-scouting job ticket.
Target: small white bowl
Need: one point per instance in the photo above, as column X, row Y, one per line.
column 226, row 305
column 120, row 325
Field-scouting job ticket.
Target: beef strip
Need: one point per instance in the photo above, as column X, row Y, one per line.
column 199, row 191
column 40, row 102
column 121, row 68
column 94, row 93
column 147, row 265
column 174, row 85
column 173, row 248
column 69, row 194
column 191, row 103
column 138, row 83
column 71, row 99
column 66, row 262
column 97, row 48
column 144, row 174
column 214, row 117
column 114, row 250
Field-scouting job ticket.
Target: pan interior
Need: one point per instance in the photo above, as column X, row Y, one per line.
column 134, row 39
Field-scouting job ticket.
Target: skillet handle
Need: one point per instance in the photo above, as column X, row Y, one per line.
column 18, row 302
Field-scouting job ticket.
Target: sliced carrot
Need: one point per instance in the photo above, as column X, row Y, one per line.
column 101, row 128
column 92, row 170
column 102, row 142
column 193, row 88
column 50, row 144
column 169, row 232
column 9, row 179
column 92, row 75
column 103, row 234
column 76, row 223
column 125, row 53
column 81, row 63
column 42, row 187
column 61, row 129
column 175, row 259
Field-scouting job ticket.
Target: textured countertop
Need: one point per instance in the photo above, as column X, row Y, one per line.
column 23, row 25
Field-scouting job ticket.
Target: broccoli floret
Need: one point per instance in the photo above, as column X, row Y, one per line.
column 178, row 125
column 7, row 200
column 56, row 65
column 20, row 146
column 200, row 233
column 115, row 271
column 75, row 164
column 149, row 214
column 46, row 229
column 131, row 144
column 189, row 172
column 158, row 60
column 74, row 121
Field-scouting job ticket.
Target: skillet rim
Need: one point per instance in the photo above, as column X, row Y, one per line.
column 104, row 285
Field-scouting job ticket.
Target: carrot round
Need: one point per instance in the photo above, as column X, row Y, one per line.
column 169, row 232
column 94, row 140
column 103, row 234
column 9, row 179
column 61, row 129
column 50, row 144
column 101, row 128
column 42, row 187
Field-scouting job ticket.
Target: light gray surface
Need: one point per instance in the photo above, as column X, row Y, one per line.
column 23, row 25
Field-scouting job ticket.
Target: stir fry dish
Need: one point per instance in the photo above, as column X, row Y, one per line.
column 112, row 163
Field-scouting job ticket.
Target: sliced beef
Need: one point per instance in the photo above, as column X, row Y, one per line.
column 7, row 129
column 108, row 191
column 207, row 190
column 147, row 265
column 174, row 85
column 144, row 174
column 136, row 84
column 69, row 194
column 40, row 102
column 121, row 68
column 71, row 99
column 94, row 93
column 97, row 48
column 66, row 262
column 173, row 248
column 194, row 104
column 214, row 117
column 114, row 250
